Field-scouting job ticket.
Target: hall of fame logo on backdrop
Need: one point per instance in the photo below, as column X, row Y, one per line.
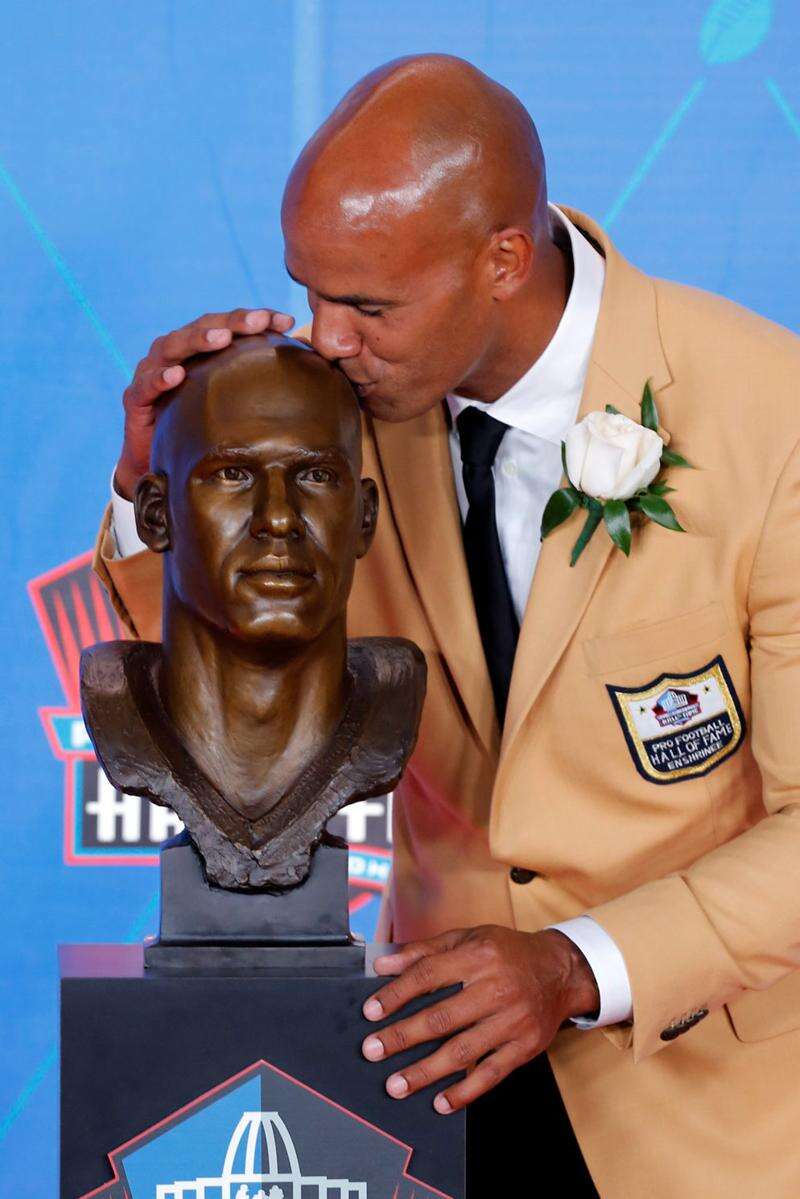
column 263, row 1135
column 107, row 827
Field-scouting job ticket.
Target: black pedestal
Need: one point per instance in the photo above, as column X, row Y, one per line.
column 245, row 1082
column 206, row 929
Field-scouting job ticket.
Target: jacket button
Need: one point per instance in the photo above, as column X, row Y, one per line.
column 520, row 875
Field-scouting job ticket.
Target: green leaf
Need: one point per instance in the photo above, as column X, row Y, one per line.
column 593, row 518
column 671, row 458
column 564, row 458
column 659, row 511
column 618, row 524
column 559, row 507
column 649, row 410
column 657, row 489
column 614, row 411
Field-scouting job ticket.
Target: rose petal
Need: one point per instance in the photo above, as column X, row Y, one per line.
column 645, row 470
column 600, row 468
column 577, row 442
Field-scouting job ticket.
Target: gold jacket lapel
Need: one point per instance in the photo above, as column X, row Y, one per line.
column 627, row 351
column 415, row 458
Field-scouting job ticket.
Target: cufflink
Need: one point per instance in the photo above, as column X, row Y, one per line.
column 683, row 1023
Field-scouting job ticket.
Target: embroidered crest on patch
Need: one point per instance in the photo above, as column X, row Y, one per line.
column 681, row 725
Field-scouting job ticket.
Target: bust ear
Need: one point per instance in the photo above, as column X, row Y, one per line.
column 369, row 515
column 150, row 504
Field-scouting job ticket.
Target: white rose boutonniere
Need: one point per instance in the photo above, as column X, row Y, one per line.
column 611, row 464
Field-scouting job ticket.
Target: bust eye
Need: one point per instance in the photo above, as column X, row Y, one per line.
column 232, row 474
column 318, row 474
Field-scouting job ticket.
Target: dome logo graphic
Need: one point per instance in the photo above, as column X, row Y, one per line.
column 263, row 1134
column 269, row 1168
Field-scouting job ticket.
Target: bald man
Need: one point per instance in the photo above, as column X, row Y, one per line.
column 603, row 894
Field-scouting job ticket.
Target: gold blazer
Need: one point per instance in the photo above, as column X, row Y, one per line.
column 685, row 847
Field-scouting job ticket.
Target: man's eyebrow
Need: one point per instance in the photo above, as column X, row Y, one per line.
column 352, row 301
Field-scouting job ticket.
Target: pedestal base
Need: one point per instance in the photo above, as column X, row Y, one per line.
column 204, row 929
column 197, row 1086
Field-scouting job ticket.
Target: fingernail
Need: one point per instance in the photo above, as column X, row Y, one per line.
column 215, row 336
column 173, row 374
column 373, row 1049
column 442, row 1105
column 373, row 1009
column 254, row 319
column 388, row 963
column 397, row 1086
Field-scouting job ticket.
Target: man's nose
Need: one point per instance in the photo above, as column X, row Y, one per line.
column 274, row 513
column 332, row 332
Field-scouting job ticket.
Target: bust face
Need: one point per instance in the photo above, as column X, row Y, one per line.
column 256, row 497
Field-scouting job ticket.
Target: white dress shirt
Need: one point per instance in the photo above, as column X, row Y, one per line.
column 539, row 409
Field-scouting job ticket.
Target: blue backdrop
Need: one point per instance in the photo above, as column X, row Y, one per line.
column 143, row 149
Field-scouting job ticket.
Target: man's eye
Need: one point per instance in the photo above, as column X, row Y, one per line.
column 370, row 311
column 319, row 474
column 232, row 474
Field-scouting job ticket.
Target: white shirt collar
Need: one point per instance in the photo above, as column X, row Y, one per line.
column 544, row 401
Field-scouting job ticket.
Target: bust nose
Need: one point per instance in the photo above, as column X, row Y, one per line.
column 274, row 514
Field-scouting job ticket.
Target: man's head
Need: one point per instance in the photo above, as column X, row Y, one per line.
column 255, row 495
column 416, row 218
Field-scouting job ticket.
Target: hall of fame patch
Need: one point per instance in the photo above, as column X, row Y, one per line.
column 681, row 725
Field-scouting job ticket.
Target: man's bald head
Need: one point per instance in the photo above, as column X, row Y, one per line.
column 417, row 220
column 425, row 133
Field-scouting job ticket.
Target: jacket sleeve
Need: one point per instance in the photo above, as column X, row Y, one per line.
column 133, row 584
column 731, row 922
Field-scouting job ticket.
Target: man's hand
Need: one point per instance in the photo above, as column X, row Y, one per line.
column 162, row 370
column 518, row 988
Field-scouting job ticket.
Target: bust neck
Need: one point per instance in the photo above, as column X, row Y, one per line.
column 251, row 716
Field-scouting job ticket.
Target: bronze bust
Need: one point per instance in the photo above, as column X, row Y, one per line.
column 256, row 719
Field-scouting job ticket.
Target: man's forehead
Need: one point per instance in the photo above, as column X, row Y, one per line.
column 384, row 246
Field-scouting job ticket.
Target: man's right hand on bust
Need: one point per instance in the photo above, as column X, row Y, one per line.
column 161, row 370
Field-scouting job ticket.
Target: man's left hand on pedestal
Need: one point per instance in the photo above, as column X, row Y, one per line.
column 517, row 990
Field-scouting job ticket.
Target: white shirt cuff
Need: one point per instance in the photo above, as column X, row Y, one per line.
column 123, row 525
column 608, row 966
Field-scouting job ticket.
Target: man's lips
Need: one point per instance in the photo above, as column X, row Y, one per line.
column 361, row 385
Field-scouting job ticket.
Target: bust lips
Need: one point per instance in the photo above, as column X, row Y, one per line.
column 279, row 576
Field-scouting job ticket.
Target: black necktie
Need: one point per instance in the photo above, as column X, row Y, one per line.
column 479, row 436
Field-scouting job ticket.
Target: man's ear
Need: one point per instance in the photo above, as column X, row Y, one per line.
column 150, row 504
column 369, row 515
column 510, row 259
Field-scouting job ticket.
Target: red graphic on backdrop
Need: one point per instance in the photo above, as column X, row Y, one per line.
column 74, row 612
